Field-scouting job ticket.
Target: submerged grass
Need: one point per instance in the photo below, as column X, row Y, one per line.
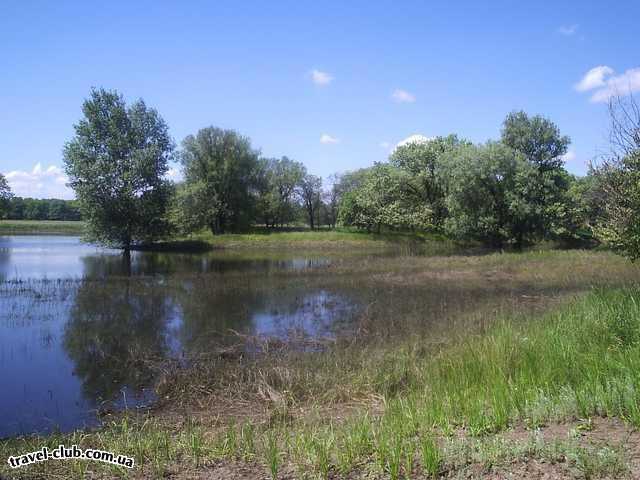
column 438, row 410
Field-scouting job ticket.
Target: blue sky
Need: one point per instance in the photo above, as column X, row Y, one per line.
column 332, row 84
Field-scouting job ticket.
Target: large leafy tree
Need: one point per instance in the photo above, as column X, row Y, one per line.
column 381, row 200
column 277, row 183
column 116, row 164
column 220, row 170
column 426, row 163
column 490, row 198
column 5, row 196
column 539, row 140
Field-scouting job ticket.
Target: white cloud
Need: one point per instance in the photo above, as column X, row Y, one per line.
column 416, row 139
column 594, row 78
column 385, row 144
column 569, row 156
column 328, row 139
column 321, row 78
column 568, row 30
column 40, row 183
column 402, row 96
column 606, row 84
column 624, row 84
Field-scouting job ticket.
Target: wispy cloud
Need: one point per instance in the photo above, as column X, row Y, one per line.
column 40, row 182
column 321, row 78
column 605, row 84
column 402, row 96
column 327, row 139
column 384, row 144
column 568, row 30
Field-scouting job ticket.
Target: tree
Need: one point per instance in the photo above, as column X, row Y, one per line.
column 220, row 169
column 116, row 165
column 381, row 201
column 278, row 180
column 331, row 201
column 543, row 146
column 115, row 333
column 42, row 209
column 310, row 191
column 537, row 138
column 426, row 163
column 619, row 177
column 5, row 196
column 578, row 210
column 489, row 199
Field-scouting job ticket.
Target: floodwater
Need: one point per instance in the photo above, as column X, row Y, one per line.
column 85, row 330
column 81, row 326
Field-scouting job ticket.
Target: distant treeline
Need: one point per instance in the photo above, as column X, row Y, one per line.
column 19, row 208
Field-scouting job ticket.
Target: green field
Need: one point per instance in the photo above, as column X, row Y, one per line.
column 25, row 227
column 341, row 238
column 257, row 239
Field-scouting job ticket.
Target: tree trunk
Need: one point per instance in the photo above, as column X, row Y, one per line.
column 126, row 261
column 216, row 226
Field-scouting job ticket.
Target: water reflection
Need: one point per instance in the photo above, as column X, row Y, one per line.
column 288, row 312
column 117, row 332
column 94, row 341
column 44, row 256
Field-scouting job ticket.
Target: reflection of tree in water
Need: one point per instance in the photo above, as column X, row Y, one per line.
column 115, row 334
column 5, row 257
column 209, row 312
column 137, row 263
column 150, row 263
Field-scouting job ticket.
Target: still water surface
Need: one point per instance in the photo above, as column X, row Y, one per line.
column 80, row 327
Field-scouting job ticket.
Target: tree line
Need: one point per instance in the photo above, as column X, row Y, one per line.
column 511, row 191
column 19, row 208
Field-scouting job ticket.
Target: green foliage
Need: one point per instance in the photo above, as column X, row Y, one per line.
column 620, row 224
column 277, row 181
column 574, row 214
column 490, row 198
column 42, row 209
column 537, row 138
column 310, row 192
column 382, row 200
column 512, row 192
column 426, row 163
column 220, row 169
column 116, row 165
column 619, row 179
column 5, row 196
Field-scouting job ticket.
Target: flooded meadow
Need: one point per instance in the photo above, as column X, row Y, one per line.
column 85, row 331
